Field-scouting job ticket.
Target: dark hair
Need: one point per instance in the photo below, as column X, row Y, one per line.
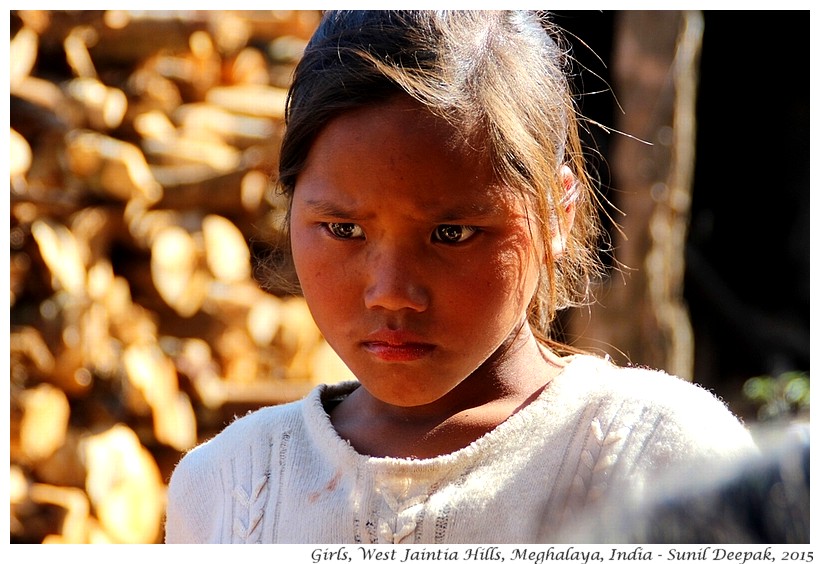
column 498, row 77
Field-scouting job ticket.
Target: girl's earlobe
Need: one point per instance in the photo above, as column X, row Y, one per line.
column 564, row 224
column 570, row 184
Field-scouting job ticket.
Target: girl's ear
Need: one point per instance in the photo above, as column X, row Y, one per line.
column 566, row 215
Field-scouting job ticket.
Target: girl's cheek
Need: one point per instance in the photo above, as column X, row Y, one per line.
column 328, row 266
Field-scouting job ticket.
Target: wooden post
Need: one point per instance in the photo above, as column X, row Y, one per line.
column 641, row 317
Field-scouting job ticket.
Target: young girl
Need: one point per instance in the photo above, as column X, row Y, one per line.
column 440, row 215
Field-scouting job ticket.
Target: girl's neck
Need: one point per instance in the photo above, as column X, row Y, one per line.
column 507, row 382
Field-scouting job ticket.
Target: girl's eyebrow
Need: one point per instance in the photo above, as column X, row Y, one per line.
column 460, row 212
column 467, row 210
column 329, row 209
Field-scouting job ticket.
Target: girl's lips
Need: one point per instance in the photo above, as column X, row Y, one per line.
column 398, row 352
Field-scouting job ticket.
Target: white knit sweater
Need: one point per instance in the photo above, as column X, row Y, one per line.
column 283, row 475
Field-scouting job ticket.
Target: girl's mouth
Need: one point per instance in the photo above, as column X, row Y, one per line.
column 397, row 345
column 398, row 352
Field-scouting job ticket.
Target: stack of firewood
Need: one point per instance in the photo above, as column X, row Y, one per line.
column 143, row 152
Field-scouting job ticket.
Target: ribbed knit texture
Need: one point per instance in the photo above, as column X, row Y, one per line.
column 283, row 475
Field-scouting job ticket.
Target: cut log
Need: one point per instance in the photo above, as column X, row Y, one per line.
column 103, row 107
column 22, row 55
column 110, row 166
column 124, row 486
column 226, row 252
column 45, row 421
column 175, row 270
column 251, row 99
column 62, row 254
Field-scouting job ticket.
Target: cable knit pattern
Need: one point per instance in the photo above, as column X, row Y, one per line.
column 404, row 504
column 250, row 510
column 596, row 433
column 594, row 466
column 250, row 503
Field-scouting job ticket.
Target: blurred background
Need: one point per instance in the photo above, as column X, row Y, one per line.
column 143, row 148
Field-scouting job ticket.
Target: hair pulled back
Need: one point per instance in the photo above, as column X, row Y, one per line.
column 498, row 77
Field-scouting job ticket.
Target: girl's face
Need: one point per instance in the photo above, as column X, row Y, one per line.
column 416, row 264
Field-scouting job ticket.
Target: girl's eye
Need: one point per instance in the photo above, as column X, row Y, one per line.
column 453, row 233
column 345, row 230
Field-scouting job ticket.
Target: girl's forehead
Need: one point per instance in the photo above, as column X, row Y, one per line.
column 399, row 151
column 403, row 117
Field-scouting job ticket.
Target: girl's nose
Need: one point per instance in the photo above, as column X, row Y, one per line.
column 393, row 283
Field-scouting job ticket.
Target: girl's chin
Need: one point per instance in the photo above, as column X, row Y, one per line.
column 401, row 394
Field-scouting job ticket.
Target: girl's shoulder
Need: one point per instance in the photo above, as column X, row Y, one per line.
column 243, row 440
column 651, row 398
column 253, row 435
column 666, row 420
column 602, row 378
